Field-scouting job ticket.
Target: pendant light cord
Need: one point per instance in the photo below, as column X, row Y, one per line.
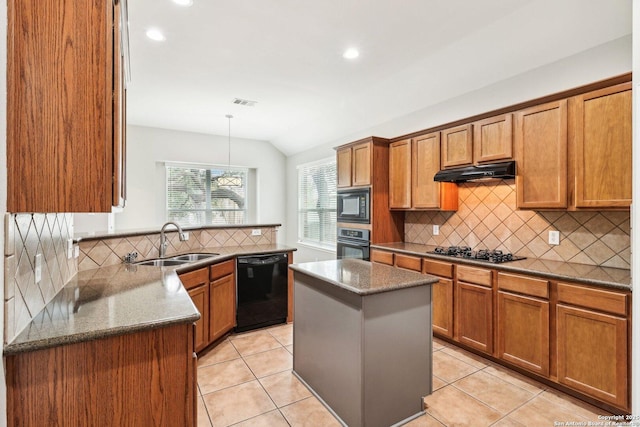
column 229, row 116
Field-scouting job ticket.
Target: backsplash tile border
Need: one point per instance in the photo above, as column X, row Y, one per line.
column 487, row 218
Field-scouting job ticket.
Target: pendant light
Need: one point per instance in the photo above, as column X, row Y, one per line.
column 228, row 179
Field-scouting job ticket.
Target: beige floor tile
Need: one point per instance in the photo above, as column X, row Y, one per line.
column 508, row 422
column 255, row 342
column 453, row 407
column 466, row 356
column 222, row 375
column 284, row 334
column 309, row 413
column 425, row 420
column 270, row 419
column 438, row 344
column 284, row 388
column 270, row 362
column 237, row 403
column 491, row 390
column 438, row 383
column 220, row 353
column 514, row 378
column 576, row 406
column 542, row 412
column 203, row 416
column 290, row 348
column 450, row 368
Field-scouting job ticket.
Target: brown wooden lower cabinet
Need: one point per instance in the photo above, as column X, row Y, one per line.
column 200, row 298
column 442, row 307
column 523, row 331
column 592, row 353
column 381, row 257
column 474, row 316
column 140, row 379
column 222, row 317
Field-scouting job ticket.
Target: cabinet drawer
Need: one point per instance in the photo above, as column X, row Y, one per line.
column 597, row 299
column 222, row 269
column 194, row 278
column 381, row 257
column 523, row 285
column 442, row 269
column 474, row 275
column 409, row 262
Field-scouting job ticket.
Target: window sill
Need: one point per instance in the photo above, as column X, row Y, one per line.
column 317, row 247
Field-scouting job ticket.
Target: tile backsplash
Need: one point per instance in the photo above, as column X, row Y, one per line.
column 27, row 235
column 109, row 251
column 487, row 218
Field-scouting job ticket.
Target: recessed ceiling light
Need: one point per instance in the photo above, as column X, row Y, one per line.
column 185, row 3
column 155, row 34
column 351, row 53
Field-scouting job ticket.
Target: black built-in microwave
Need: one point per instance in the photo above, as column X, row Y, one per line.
column 353, row 205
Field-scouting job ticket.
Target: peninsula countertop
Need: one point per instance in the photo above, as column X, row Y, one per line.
column 120, row 299
column 363, row 277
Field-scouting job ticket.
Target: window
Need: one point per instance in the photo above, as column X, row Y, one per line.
column 205, row 195
column 317, row 203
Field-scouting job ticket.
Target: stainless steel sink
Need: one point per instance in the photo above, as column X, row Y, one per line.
column 162, row 262
column 192, row 257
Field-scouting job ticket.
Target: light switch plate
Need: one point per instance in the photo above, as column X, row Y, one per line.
column 554, row 237
column 436, row 230
column 38, row 267
column 256, row 232
column 186, row 235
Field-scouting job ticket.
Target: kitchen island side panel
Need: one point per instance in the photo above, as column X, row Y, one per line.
column 397, row 354
column 327, row 345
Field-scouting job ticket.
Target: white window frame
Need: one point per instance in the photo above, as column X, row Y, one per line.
column 330, row 227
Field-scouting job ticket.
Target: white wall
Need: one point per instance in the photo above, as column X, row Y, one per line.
column 599, row 63
column 148, row 148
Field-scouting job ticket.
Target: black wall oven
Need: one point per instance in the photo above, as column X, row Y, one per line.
column 352, row 243
column 353, row 205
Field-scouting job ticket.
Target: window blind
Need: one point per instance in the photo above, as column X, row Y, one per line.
column 317, row 203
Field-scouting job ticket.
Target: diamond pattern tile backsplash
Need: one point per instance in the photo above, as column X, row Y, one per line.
column 27, row 235
column 487, row 218
column 98, row 253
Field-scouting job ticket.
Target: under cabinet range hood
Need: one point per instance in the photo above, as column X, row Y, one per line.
column 476, row 173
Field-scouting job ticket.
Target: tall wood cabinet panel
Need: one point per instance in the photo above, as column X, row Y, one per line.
column 65, row 91
column 541, row 156
column 493, row 139
column 457, row 146
column 400, row 184
column 601, row 137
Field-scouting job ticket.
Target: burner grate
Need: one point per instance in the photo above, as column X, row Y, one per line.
column 495, row 256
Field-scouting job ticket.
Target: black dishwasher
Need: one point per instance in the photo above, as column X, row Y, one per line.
column 262, row 286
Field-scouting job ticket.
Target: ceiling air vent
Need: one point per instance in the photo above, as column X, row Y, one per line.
column 244, row 102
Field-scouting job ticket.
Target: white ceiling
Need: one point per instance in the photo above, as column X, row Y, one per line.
column 287, row 56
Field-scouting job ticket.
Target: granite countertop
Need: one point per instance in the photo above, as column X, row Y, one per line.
column 120, row 299
column 363, row 277
column 616, row 278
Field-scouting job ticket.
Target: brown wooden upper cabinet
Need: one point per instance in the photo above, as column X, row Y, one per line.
column 412, row 165
column 354, row 165
column 65, row 128
column 541, row 156
column 493, row 139
column 600, row 132
column 457, row 146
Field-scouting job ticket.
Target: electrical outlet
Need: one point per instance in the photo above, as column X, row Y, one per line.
column 38, row 267
column 69, row 248
column 554, row 237
column 436, row 230
column 256, row 232
column 186, row 235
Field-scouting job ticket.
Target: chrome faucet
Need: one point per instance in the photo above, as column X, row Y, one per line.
column 163, row 239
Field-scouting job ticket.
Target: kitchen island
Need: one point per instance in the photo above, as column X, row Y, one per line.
column 362, row 339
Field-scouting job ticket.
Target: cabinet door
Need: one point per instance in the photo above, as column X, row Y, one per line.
column 425, row 164
column 222, row 303
column 442, row 307
column 343, row 159
column 474, row 316
column 361, row 166
column 200, row 298
column 457, row 146
column 493, row 139
column 400, row 174
column 523, row 331
column 601, row 130
column 592, row 353
column 381, row 257
column 541, row 156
